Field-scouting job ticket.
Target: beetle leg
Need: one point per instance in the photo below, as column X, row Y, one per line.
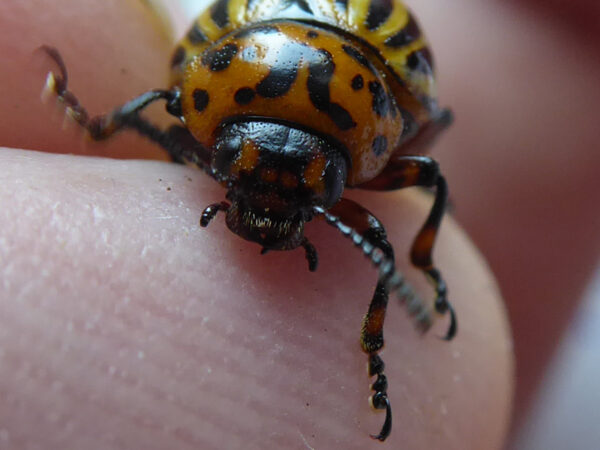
column 211, row 211
column 184, row 148
column 407, row 171
column 100, row 127
column 178, row 142
column 311, row 254
column 366, row 224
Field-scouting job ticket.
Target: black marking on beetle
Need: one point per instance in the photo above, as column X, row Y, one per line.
column 302, row 4
column 219, row 59
column 405, row 36
column 379, row 145
column 358, row 57
column 381, row 102
column 219, row 13
column 196, row 35
column 410, row 127
column 283, row 72
column 320, row 72
column 357, row 82
column 244, row 95
column 379, row 12
column 312, row 34
column 200, row 99
column 420, row 61
column 178, row 56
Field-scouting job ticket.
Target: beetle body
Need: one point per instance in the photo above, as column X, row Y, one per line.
column 288, row 102
column 315, row 64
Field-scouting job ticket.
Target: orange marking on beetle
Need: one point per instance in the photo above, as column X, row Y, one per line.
column 421, row 251
column 374, row 321
column 268, row 175
column 248, row 158
column 313, row 174
column 288, row 180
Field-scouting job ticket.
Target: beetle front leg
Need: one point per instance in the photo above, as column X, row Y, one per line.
column 104, row 126
column 177, row 141
column 366, row 224
column 408, row 171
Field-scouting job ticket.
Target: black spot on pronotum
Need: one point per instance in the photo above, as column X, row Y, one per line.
column 357, row 82
column 196, row 35
column 379, row 11
column 277, row 82
column 405, row 36
column 178, row 56
column 379, row 145
column 219, row 13
column 381, row 102
column 244, row 95
column 200, row 99
column 220, row 58
column 320, row 72
column 358, row 57
column 283, row 72
column 312, row 34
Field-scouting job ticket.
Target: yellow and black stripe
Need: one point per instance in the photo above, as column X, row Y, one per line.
column 384, row 27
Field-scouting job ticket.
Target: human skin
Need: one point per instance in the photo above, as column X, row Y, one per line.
column 125, row 325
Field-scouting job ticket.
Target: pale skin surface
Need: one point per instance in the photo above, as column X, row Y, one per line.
column 125, row 325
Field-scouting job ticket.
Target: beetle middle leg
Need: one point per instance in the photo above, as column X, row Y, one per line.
column 408, row 171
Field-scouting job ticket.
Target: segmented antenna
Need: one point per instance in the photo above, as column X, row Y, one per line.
column 394, row 281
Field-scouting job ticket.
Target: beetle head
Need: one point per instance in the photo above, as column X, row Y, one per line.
column 275, row 175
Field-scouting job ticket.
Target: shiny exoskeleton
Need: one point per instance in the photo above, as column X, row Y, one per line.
column 286, row 103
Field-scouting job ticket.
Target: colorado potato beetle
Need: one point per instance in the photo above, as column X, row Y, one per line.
column 287, row 102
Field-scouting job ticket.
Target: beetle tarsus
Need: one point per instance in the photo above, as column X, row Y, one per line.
column 380, row 400
column 311, row 255
column 442, row 305
column 453, row 327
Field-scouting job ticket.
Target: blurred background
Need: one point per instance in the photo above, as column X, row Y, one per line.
column 523, row 166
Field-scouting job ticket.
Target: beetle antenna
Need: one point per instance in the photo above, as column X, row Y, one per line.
column 394, row 281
